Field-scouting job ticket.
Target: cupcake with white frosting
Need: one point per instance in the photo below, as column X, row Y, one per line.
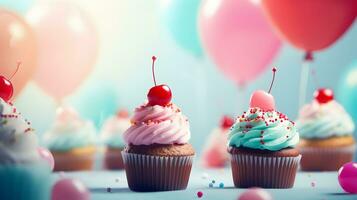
column 326, row 132
column 112, row 137
column 23, row 175
column 71, row 140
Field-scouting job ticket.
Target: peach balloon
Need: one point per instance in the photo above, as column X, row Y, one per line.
column 68, row 47
column 17, row 43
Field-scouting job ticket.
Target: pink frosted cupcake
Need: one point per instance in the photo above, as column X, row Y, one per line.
column 157, row 156
column 215, row 153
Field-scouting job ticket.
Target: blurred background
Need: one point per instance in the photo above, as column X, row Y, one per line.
column 96, row 55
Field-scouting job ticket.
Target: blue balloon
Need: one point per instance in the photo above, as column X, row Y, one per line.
column 19, row 6
column 347, row 92
column 180, row 18
column 96, row 102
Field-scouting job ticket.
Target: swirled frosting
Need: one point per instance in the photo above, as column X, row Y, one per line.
column 113, row 129
column 324, row 120
column 264, row 130
column 158, row 125
column 18, row 142
column 69, row 132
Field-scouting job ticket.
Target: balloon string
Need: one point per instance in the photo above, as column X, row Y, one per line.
column 304, row 77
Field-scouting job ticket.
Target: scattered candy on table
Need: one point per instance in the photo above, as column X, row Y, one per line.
column 199, row 194
column 347, row 177
column 255, row 194
column 70, row 189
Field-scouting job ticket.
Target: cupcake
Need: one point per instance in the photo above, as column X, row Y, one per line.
column 261, row 144
column 71, row 141
column 112, row 137
column 157, row 155
column 215, row 153
column 327, row 134
column 23, row 175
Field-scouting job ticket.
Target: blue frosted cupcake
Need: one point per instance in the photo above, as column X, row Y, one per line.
column 71, row 141
column 262, row 145
column 23, row 175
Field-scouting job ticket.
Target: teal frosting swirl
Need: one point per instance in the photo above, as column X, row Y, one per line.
column 264, row 130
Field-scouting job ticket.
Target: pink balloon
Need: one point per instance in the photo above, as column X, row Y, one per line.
column 237, row 37
column 68, row 46
column 46, row 155
column 255, row 194
column 347, row 177
column 70, row 189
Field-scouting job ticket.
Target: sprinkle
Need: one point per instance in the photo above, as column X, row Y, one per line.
column 199, row 194
column 210, row 185
column 221, row 185
column 109, row 189
column 213, row 181
column 313, row 183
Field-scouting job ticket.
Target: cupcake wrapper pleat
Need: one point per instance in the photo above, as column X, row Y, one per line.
column 157, row 173
column 266, row 172
column 325, row 159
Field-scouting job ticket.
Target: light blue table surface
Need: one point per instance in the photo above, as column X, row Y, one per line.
column 326, row 186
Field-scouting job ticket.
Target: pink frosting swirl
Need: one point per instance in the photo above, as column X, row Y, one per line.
column 158, row 125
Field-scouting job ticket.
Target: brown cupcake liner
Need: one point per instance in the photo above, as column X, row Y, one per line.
column 325, row 159
column 266, row 172
column 67, row 162
column 113, row 159
column 147, row 173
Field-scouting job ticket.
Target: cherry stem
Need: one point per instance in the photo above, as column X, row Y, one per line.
column 17, row 69
column 153, row 68
column 272, row 82
column 313, row 74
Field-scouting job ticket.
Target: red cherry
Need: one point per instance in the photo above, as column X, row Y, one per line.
column 159, row 94
column 323, row 95
column 122, row 113
column 6, row 89
column 227, row 122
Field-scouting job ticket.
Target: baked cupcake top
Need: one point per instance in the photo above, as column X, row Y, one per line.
column 18, row 142
column 157, row 124
column 69, row 131
column 113, row 129
column 262, row 127
column 264, row 130
column 324, row 119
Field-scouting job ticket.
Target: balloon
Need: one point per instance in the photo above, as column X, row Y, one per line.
column 103, row 102
column 180, row 18
column 70, row 189
column 347, row 177
column 47, row 156
column 67, row 44
column 20, row 6
column 17, row 43
column 347, row 91
column 311, row 25
column 237, row 37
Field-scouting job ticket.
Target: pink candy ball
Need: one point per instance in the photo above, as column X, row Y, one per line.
column 47, row 156
column 255, row 194
column 262, row 100
column 70, row 189
column 347, row 177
